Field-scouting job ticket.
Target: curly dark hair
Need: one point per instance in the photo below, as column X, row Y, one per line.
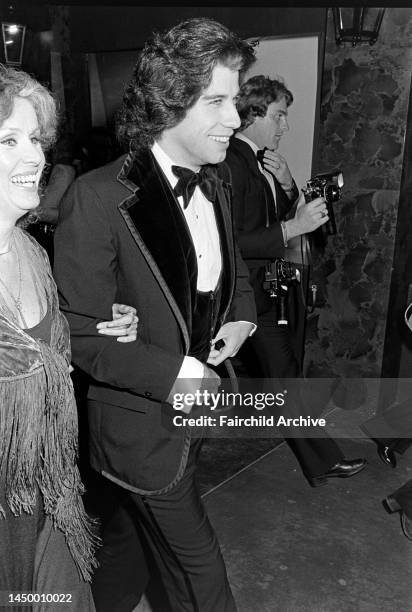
column 256, row 94
column 171, row 72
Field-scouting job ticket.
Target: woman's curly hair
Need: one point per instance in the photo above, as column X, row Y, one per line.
column 16, row 83
column 171, row 72
column 256, row 94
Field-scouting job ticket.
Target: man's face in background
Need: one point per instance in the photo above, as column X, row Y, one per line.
column 268, row 130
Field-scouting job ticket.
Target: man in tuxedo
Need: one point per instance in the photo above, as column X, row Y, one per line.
column 154, row 229
column 268, row 212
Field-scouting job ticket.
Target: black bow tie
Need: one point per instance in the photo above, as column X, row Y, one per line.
column 206, row 178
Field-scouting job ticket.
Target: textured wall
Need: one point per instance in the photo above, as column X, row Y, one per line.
column 362, row 126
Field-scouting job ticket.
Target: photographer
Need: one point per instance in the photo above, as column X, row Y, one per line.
column 267, row 213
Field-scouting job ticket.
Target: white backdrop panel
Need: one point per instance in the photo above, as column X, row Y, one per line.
column 296, row 60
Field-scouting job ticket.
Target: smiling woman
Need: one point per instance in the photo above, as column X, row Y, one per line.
column 21, row 160
column 42, row 519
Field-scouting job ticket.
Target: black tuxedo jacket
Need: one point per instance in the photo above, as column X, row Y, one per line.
column 122, row 237
column 258, row 228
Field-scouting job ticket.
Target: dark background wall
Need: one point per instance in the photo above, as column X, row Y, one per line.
column 110, row 28
column 362, row 129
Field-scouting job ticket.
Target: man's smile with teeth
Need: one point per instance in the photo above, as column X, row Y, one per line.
column 221, row 138
column 23, row 179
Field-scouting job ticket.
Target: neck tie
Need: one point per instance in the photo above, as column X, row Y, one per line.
column 206, row 179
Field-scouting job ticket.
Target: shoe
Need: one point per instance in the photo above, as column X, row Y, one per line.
column 386, row 455
column 406, row 524
column 344, row 469
column 392, row 505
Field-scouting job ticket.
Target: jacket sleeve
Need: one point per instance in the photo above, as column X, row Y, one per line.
column 243, row 306
column 259, row 242
column 86, row 269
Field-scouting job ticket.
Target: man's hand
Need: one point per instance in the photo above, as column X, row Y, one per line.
column 233, row 335
column 277, row 165
column 123, row 325
column 308, row 217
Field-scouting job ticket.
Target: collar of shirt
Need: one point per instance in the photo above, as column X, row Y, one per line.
column 165, row 163
column 251, row 144
column 255, row 149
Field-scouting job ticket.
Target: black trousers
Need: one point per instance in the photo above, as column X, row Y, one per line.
column 270, row 354
column 122, row 575
column 384, row 427
column 181, row 542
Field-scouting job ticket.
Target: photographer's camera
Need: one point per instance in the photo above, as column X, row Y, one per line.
column 329, row 186
column 279, row 275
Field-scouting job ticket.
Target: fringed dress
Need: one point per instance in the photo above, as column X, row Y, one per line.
column 46, row 538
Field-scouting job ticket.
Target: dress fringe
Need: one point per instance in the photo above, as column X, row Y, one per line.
column 38, row 427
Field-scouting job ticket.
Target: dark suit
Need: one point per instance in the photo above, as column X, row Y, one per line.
column 272, row 349
column 122, row 238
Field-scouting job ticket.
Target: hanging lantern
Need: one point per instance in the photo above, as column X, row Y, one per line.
column 13, row 42
column 357, row 25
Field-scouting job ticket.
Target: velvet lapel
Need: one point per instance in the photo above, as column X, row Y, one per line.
column 159, row 228
column 224, row 224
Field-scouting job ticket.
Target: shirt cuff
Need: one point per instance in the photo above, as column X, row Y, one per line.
column 254, row 328
column 293, row 191
column 191, row 368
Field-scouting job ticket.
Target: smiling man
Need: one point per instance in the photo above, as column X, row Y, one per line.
column 154, row 229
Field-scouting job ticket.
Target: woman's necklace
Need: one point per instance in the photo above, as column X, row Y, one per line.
column 16, row 300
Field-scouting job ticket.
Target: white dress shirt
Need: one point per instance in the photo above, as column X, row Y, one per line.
column 200, row 218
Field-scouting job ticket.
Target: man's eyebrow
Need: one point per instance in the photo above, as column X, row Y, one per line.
column 212, row 96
